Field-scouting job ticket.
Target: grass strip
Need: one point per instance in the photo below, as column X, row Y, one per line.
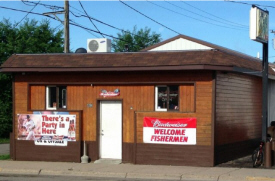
column 4, row 140
column 5, row 157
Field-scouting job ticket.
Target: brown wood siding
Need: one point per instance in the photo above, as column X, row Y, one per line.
column 238, row 108
column 80, row 96
column 37, row 97
column 187, row 98
column 159, row 154
column 28, row 151
column 128, row 152
column 137, row 93
column 92, row 150
column 238, row 113
column 20, row 102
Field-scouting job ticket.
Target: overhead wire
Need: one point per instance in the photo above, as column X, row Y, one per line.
column 149, row 17
column 23, row 1
column 86, row 16
column 26, row 15
column 46, row 5
column 193, row 17
column 212, row 14
column 19, row 10
column 53, row 7
column 89, row 18
column 81, row 26
column 103, row 23
column 58, row 26
column 74, row 24
column 86, row 30
column 249, row 4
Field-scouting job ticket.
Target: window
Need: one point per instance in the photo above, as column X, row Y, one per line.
column 56, row 97
column 167, row 98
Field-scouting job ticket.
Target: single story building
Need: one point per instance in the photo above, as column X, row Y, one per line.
column 180, row 102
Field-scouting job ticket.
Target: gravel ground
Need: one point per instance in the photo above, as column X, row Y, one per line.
column 244, row 162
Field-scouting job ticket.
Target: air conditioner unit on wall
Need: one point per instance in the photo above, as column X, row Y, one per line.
column 98, row 45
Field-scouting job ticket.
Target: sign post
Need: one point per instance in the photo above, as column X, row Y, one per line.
column 259, row 32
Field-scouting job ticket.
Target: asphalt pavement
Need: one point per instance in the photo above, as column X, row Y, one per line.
column 131, row 171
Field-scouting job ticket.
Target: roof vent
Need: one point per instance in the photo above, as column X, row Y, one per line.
column 81, row 50
column 99, row 45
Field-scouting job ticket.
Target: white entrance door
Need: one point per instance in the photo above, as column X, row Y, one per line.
column 111, row 129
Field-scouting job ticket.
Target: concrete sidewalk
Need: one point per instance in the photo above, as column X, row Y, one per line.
column 135, row 171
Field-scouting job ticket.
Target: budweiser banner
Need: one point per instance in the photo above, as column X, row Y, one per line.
column 170, row 131
column 47, row 129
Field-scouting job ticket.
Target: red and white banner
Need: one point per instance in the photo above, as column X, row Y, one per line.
column 170, row 131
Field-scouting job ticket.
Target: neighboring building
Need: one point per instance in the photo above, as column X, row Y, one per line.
column 216, row 88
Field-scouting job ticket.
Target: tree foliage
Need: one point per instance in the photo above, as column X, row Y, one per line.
column 30, row 37
column 135, row 40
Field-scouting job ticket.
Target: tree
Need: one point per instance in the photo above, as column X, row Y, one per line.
column 136, row 40
column 30, row 37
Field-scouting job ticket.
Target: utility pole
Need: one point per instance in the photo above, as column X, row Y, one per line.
column 65, row 23
column 66, row 27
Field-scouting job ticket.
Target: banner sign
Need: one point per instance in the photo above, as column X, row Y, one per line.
column 47, row 129
column 170, row 131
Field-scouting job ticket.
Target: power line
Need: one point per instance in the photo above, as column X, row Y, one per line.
column 249, row 4
column 46, row 5
column 19, row 10
column 74, row 24
column 23, row 1
column 78, row 16
column 86, row 16
column 26, row 14
column 86, row 30
column 58, row 27
column 193, row 17
column 98, row 32
column 214, row 15
column 89, row 18
column 148, row 17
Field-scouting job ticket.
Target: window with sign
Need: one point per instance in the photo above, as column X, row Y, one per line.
column 56, row 97
column 167, row 98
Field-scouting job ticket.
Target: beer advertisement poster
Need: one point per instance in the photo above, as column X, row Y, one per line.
column 170, row 131
column 47, row 129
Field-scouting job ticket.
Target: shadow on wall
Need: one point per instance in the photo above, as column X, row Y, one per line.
column 234, row 141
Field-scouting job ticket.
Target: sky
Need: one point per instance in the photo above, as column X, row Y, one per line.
column 224, row 23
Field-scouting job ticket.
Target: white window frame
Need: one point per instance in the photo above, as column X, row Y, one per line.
column 156, row 99
column 47, row 99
